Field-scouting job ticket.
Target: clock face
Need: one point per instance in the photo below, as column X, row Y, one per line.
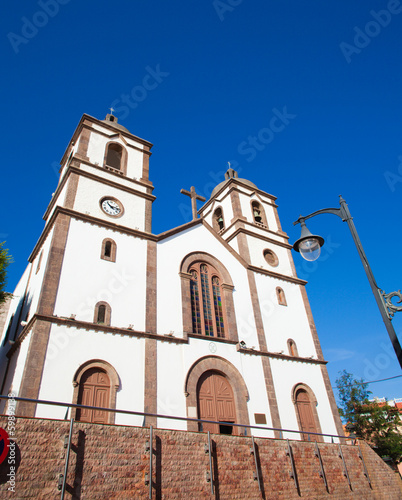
column 111, row 207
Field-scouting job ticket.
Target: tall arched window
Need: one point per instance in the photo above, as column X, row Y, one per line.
column 218, row 220
column 114, row 155
column 206, row 301
column 103, row 313
column 292, row 348
column 108, row 251
column 280, row 295
column 258, row 213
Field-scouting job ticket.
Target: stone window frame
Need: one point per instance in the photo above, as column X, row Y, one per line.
column 280, row 295
column 108, row 313
column 114, row 384
column 226, row 369
column 262, row 211
column 292, row 346
column 215, row 216
column 123, row 162
column 227, row 288
column 313, row 403
column 275, row 261
column 112, row 257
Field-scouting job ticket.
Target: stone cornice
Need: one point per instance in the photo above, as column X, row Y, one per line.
column 91, row 220
column 178, row 229
column 254, row 352
column 256, row 234
column 279, row 276
column 76, row 170
column 86, row 121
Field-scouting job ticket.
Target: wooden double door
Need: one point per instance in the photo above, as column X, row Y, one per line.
column 216, row 402
column 94, row 391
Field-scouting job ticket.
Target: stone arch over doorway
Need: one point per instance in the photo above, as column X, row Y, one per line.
column 224, row 368
column 113, row 377
column 305, row 404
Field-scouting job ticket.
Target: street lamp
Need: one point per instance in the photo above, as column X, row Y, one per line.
column 309, row 246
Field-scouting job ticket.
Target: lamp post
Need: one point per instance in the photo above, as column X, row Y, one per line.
column 309, row 246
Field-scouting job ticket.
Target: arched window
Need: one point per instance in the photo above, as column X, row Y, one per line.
column 215, row 401
column 292, row 348
column 306, row 412
column 102, row 313
column 108, row 251
column 95, row 384
column 218, row 220
column 258, row 213
column 206, row 301
column 114, row 155
column 280, row 295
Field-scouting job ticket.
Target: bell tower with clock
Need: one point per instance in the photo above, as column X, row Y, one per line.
column 105, row 174
column 96, row 253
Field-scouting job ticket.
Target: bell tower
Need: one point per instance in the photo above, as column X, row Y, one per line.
column 105, row 174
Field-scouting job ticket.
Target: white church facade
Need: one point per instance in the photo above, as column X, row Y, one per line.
column 207, row 320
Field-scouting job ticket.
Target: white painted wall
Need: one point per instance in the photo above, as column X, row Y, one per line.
column 91, row 192
column 286, row 375
column 87, row 279
column 171, row 252
column 257, row 247
column 69, row 348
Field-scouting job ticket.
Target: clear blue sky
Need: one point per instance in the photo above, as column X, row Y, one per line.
column 224, row 69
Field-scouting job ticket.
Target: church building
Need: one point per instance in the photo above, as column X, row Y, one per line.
column 207, row 320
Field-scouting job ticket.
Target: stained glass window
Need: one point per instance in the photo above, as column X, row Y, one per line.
column 206, row 301
column 195, row 302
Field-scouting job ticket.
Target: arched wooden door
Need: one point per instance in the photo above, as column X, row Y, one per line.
column 216, row 402
column 94, row 391
column 305, row 412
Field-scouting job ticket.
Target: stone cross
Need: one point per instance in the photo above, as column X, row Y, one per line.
column 194, row 197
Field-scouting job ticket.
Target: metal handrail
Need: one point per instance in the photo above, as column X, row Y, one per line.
column 157, row 415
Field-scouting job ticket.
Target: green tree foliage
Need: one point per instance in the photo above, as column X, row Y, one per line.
column 5, row 260
column 351, row 392
column 377, row 423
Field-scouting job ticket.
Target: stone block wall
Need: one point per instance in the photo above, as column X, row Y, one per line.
column 111, row 462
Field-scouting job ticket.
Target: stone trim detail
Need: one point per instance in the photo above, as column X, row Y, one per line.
column 108, row 313
column 60, row 211
column 148, row 216
column 270, row 388
column 71, row 190
column 281, row 297
column 279, row 276
column 278, row 222
column 35, row 361
column 114, row 381
column 75, row 170
column 251, row 232
column 123, row 163
column 236, row 206
column 225, row 368
column 227, row 293
column 145, row 164
column 85, row 135
column 150, row 382
column 313, row 404
column 113, row 250
column 151, row 292
column 257, row 311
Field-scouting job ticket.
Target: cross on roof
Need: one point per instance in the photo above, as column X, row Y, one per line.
column 194, row 197
column 111, row 110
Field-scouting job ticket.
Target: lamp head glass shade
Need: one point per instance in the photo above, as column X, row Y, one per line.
column 309, row 245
